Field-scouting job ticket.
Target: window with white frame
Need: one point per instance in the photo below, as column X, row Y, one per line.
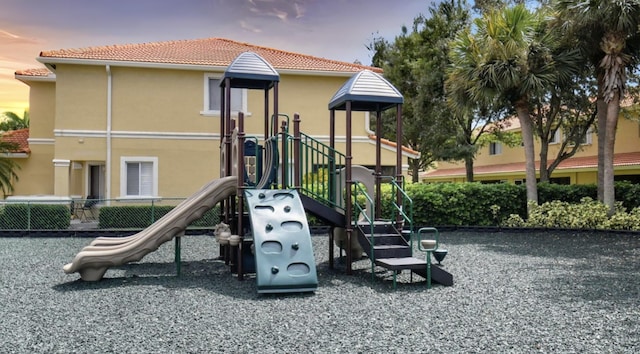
column 588, row 138
column 139, row 176
column 495, row 148
column 212, row 96
column 555, row 139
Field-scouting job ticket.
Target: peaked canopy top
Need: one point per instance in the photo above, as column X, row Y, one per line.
column 367, row 91
column 250, row 71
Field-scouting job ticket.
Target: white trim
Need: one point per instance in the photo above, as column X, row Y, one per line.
column 15, row 155
column 41, row 141
column 125, row 63
column 134, row 64
column 134, row 134
column 393, row 149
column 216, row 113
column 61, row 163
column 49, row 78
column 123, row 175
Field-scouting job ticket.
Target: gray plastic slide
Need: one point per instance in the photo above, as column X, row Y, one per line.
column 93, row 260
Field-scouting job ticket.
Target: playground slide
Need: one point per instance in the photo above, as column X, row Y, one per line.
column 93, row 261
column 283, row 249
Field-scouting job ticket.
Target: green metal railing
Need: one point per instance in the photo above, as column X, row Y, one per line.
column 404, row 209
column 365, row 216
column 319, row 168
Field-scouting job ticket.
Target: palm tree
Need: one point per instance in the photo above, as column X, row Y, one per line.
column 508, row 59
column 8, row 168
column 608, row 32
column 12, row 121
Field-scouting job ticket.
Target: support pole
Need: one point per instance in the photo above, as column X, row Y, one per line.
column 240, row 190
column 399, row 161
column 332, row 176
column 378, row 171
column 297, row 163
column 348, row 184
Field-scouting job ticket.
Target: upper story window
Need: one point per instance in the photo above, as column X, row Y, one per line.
column 555, row 139
column 138, row 176
column 588, row 138
column 212, row 97
column 495, row 148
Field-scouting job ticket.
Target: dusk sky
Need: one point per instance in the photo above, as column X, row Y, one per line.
column 333, row 29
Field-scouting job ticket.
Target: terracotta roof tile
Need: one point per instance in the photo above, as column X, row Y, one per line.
column 624, row 159
column 208, row 51
column 394, row 145
column 20, row 138
column 34, row 72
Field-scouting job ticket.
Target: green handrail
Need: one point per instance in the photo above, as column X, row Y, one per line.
column 368, row 219
column 401, row 209
column 317, row 157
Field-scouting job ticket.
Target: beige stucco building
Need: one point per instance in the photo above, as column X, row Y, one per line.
column 138, row 121
column 497, row 162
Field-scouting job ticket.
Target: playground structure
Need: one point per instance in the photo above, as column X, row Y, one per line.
column 264, row 201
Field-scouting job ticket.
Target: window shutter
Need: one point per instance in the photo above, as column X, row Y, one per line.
column 133, row 176
column 146, row 178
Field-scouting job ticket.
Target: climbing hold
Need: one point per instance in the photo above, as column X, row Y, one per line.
column 295, row 246
column 287, row 209
column 269, row 227
column 261, row 195
column 275, row 270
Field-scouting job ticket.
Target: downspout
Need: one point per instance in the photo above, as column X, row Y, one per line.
column 108, row 162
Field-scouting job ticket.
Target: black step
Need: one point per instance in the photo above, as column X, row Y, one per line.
column 386, row 239
column 389, row 251
column 418, row 266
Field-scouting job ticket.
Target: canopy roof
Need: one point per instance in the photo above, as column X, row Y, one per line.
column 367, row 91
column 250, row 71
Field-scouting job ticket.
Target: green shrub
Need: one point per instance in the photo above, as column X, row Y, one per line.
column 142, row 216
column 35, row 217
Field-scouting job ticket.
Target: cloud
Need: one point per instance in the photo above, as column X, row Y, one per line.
column 11, row 38
column 284, row 10
column 245, row 26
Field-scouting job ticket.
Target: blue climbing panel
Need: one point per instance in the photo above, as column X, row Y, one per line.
column 282, row 241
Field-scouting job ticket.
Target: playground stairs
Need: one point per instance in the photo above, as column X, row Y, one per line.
column 388, row 248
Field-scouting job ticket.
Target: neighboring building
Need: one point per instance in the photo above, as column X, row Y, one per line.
column 497, row 163
column 142, row 120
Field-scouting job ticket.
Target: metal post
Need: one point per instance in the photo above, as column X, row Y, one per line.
column 177, row 257
column 297, row 164
column 348, row 184
column 240, row 190
column 332, row 175
column 285, row 156
column 378, row 171
column 398, row 160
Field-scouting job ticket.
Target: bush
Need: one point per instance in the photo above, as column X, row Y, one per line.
column 142, row 216
column 35, row 217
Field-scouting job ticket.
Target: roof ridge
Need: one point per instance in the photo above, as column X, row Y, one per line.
column 105, row 51
column 300, row 54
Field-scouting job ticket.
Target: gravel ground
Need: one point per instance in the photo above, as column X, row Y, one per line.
column 518, row 292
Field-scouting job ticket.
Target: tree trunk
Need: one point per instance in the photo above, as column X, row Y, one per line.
column 468, row 165
column 526, row 126
column 544, row 153
column 613, row 109
column 414, row 165
column 601, row 107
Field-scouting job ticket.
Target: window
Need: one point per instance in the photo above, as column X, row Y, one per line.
column 555, row 139
column 495, row 148
column 138, row 176
column 212, row 97
column 588, row 138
